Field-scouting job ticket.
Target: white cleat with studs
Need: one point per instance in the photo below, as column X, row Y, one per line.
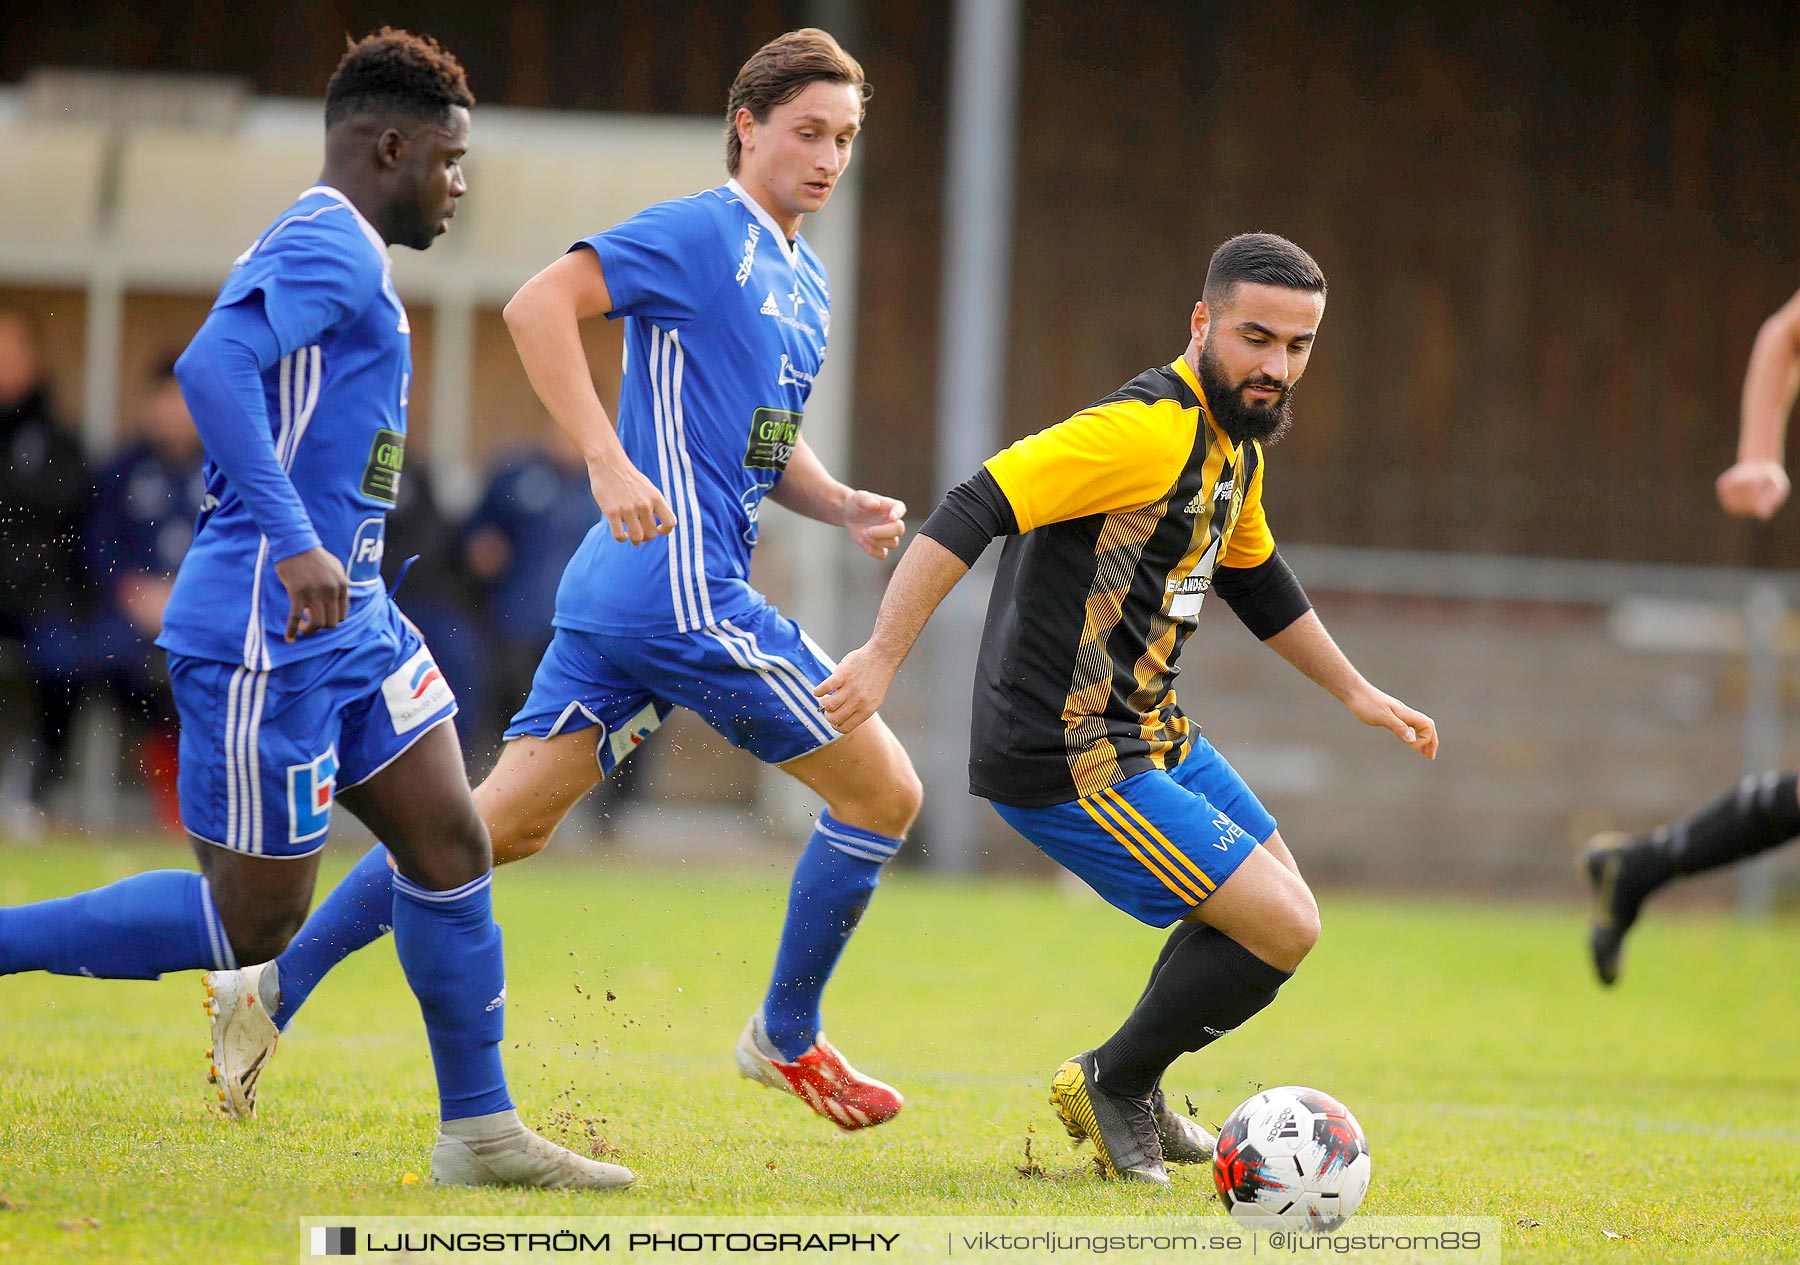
column 243, row 1037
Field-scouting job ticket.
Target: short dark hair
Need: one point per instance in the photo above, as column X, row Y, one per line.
column 396, row 72
column 1263, row 259
column 779, row 71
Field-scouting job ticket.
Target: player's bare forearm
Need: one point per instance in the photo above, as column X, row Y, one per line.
column 856, row 690
column 1771, row 382
column 1757, row 484
column 1305, row 644
column 808, row 488
column 545, row 318
column 873, row 521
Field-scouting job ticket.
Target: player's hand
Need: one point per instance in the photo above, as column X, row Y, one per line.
column 633, row 506
column 318, row 592
column 1414, row 728
column 856, row 690
column 875, row 522
column 1753, row 489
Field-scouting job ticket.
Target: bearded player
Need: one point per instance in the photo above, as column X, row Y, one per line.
column 1118, row 522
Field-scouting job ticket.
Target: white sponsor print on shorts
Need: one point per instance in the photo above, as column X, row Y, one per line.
column 417, row 692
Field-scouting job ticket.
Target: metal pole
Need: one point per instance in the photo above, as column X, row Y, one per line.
column 1764, row 614
column 976, row 288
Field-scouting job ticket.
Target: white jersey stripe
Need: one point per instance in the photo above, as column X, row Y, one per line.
column 687, row 613
column 687, row 466
column 256, row 650
column 687, row 510
column 306, row 399
column 684, row 503
column 262, row 241
column 662, row 467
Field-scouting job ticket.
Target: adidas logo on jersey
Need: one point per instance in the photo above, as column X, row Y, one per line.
column 1220, row 493
column 768, row 307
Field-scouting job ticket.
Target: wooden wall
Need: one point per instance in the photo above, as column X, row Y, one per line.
column 1551, row 232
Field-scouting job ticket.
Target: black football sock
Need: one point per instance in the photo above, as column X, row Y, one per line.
column 1759, row 813
column 1177, row 934
column 1207, row 985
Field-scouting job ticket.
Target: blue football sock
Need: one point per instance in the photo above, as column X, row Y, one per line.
column 450, row 949
column 836, row 876
column 359, row 911
column 136, row 928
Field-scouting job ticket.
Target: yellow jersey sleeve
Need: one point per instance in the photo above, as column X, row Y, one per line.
column 1114, row 457
column 1250, row 544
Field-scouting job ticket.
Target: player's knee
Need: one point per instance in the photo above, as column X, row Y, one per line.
column 906, row 795
column 1297, row 929
column 260, row 935
column 888, row 802
column 457, row 853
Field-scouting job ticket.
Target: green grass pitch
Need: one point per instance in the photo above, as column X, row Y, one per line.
column 1493, row 1077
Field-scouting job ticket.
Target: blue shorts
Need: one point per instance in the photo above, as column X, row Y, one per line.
column 1156, row 844
column 750, row 678
column 263, row 754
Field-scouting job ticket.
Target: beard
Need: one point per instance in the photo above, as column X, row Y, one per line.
column 1239, row 419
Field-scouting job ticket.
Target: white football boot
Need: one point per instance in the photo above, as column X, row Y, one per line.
column 243, row 1035
column 498, row 1150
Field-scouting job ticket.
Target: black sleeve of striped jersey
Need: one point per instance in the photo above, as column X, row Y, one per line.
column 974, row 512
column 1266, row 597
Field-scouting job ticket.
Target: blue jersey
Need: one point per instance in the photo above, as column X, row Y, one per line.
column 725, row 327
column 336, row 421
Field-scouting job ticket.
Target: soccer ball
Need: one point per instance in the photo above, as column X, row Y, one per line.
column 1291, row 1159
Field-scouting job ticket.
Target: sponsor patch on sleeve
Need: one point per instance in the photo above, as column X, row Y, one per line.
column 417, row 692
column 381, row 477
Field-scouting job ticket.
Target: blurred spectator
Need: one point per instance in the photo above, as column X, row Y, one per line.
column 534, row 512
column 536, row 509
column 43, row 489
column 436, row 593
column 137, row 531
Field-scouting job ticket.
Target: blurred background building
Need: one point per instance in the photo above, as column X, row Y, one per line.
column 1551, row 234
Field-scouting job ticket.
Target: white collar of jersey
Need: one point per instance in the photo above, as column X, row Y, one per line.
column 381, row 247
column 792, row 251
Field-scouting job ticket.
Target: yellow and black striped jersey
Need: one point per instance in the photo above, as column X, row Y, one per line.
column 1124, row 512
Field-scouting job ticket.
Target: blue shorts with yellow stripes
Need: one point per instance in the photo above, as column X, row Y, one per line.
column 1159, row 843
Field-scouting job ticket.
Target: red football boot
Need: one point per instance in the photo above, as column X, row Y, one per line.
column 821, row 1077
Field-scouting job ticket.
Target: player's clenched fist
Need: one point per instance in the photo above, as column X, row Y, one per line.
column 318, row 591
column 1753, row 489
column 633, row 505
column 856, row 690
